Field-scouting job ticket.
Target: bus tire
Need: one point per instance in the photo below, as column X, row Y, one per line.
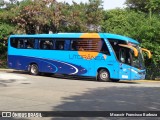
column 103, row 75
column 33, row 70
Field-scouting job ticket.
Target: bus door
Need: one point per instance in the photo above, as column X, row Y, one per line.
column 125, row 63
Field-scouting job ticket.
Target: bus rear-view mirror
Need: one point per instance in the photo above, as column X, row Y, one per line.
column 148, row 52
column 130, row 47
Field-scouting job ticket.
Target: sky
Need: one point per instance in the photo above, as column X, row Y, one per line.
column 108, row 4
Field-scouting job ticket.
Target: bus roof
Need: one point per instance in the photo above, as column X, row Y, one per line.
column 79, row 35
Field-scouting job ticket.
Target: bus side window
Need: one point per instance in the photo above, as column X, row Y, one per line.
column 104, row 48
column 122, row 55
column 29, row 43
column 59, row 44
column 46, row 44
column 14, row 42
column 20, row 44
column 74, row 45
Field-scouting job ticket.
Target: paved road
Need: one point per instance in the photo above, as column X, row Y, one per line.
column 22, row 92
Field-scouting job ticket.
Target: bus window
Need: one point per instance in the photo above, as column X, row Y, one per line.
column 104, row 48
column 20, row 44
column 59, row 45
column 87, row 44
column 46, row 44
column 29, row 43
column 122, row 55
column 17, row 43
column 74, row 45
column 14, row 42
column 128, row 56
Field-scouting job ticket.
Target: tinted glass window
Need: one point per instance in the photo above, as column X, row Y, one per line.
column 22, row 43
column 15, row 43
column 74, row 44
column 122, row 55
column 104, row 49
column 92, row 45
column 59, row 45
column 46, row 44
column 29, row 43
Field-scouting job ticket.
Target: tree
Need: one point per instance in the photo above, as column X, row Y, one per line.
column 38, row 16
column 94, row 14
column 147, row 6
column 138, row 26
column 6, row 27
column 83, row 17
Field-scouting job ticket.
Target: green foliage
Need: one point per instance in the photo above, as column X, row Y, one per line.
column 3, row 55
column 144, row 5
column 83, row 17
column 5, row 30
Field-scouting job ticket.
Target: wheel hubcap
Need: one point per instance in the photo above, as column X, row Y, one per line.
column 104, row 75
column 34, row 69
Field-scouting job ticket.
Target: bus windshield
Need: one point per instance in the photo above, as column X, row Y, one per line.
column 138, row 61
column 126, row 55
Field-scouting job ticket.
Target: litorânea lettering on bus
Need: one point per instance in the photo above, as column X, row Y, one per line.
column 88, row 57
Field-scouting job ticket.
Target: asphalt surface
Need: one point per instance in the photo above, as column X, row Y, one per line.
column 22, row 92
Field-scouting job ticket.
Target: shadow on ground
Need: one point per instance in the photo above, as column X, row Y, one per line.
column 71, row 77
column 113, row 99
column 5, row 83
column 18, row 72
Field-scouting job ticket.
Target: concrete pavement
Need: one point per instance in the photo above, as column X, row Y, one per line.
column 22, row 92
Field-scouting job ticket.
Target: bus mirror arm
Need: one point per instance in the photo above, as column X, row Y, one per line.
column 131, row 47
column 149, row 53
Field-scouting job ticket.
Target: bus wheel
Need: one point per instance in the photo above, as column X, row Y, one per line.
column 103, row 75
column 34, row 69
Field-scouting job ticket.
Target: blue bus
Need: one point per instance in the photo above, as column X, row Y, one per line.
column 108, row 57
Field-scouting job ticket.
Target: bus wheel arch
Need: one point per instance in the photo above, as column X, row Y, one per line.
column 33, row 69
column 103, row 74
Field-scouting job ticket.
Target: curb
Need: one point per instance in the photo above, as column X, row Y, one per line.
column 157, row 79
column 148, row 81
column 138, row 81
